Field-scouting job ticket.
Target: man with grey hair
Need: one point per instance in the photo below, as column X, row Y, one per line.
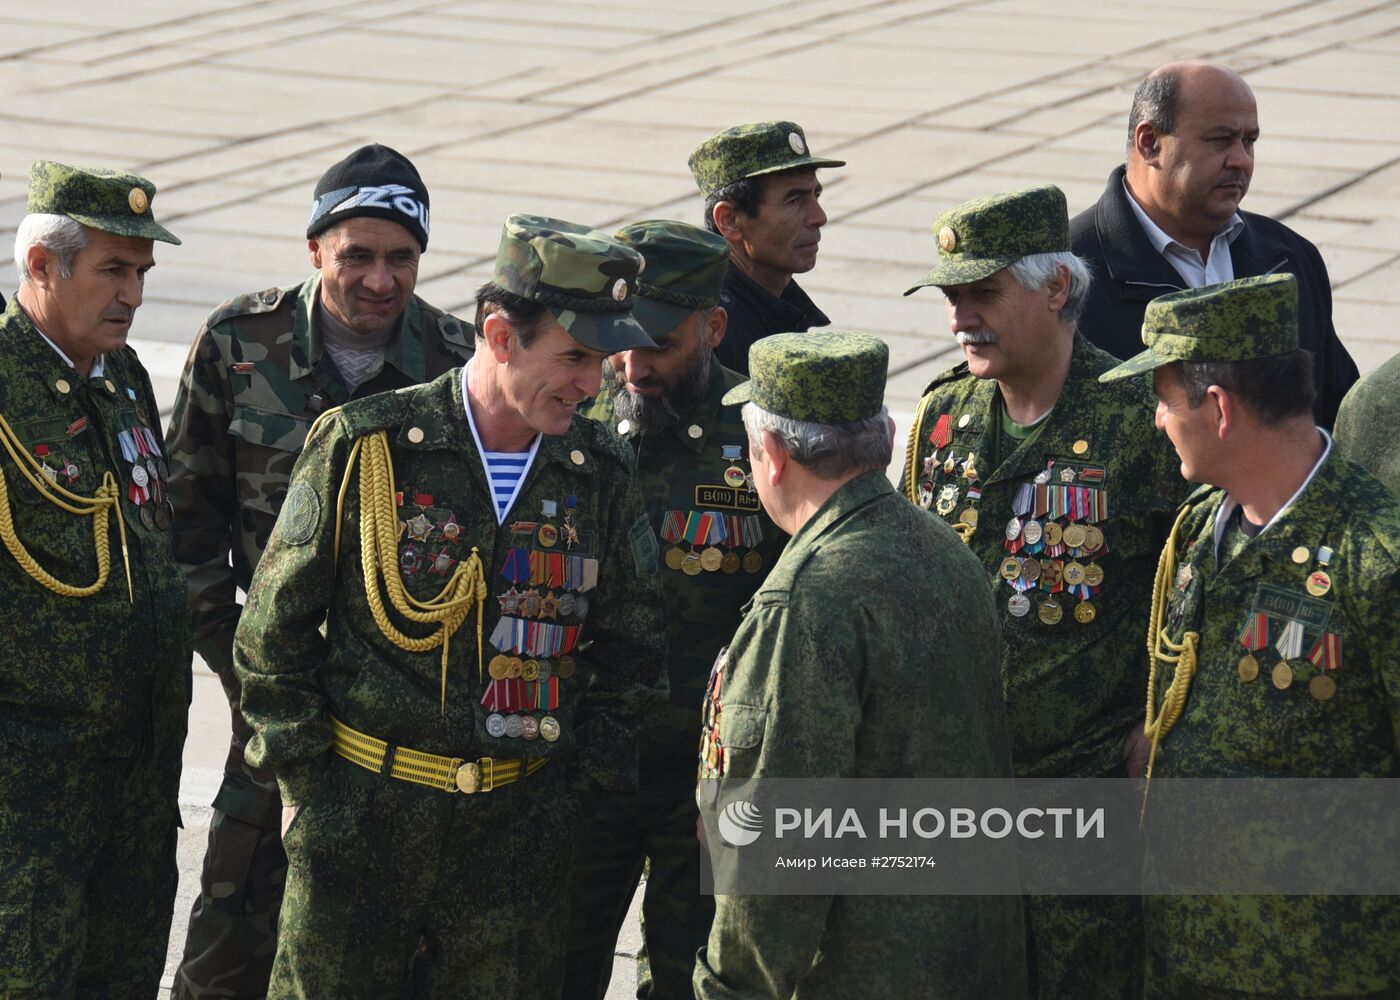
column 821, row 681
column 94, row 673
column 262, row 368
column 1019, row 448
column 1169, row 219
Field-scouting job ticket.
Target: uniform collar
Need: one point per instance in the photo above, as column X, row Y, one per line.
column 852, row 495
column 1284, row 524
column 57, row 368
column 694, row 428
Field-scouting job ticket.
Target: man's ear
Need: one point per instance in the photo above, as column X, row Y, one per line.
column 1147, row 142
column 728, row 220
column 715, row 326
column 777, row 457
column 496, row 331
column 38, row 260
column 1224, row 411
column 313, row 250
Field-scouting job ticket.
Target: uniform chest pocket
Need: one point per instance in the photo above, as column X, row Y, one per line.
column 268, row 444
column 741, row 726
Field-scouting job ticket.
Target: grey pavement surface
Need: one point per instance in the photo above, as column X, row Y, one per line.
column 588, row 110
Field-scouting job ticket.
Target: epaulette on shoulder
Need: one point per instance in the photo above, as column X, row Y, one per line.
column 381, row 411
column 250, row 304
column 954, row 374
column 452, row 329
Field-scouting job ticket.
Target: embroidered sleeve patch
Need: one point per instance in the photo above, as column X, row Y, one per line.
column 300, row 516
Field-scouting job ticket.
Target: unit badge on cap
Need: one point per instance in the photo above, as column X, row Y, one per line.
column 947, row 239
column 619, row 289
column 137, row 200
column 795, row 141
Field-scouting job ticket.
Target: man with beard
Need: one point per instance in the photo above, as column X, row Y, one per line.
column 690, row 461
column 762, row 195
column 1170, row 219
column 1054, row 483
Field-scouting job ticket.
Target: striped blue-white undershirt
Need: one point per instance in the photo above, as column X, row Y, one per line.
column 505, row 470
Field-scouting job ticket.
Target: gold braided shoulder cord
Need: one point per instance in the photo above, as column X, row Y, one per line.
column 379, row 559
column 106, row 497
column 911, row 458
column 1160, row 648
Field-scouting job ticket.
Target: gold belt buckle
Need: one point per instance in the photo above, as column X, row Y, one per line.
column 468, row 776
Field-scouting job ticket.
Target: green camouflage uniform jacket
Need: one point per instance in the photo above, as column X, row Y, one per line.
column 682, row 470
column 307, row 645
column 827, row 678
column 88, row 677
column 256, row 377
column 1073, row 688
column 1237, row 728
column 1368, row 423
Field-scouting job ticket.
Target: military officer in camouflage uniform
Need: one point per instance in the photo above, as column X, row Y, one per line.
column 817, row 683
column 95, row 672
column 262, row 368
column 690, row 458
column 453, row 633
column 762, row 195
column 1053, row 482
column 1276, row 634
column 1368, row 423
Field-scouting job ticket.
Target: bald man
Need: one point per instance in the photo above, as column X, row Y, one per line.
column 1170, row 220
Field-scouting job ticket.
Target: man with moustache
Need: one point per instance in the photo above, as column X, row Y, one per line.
column 262, row 368
column 1169, row 219
column 1053, row 482
column 763, row 197
column 690, row 458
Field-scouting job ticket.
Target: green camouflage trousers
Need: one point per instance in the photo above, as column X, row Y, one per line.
column 616, row 836
column 87, row 874
column 1084, row 946
column 232, row 933
column 398, row 891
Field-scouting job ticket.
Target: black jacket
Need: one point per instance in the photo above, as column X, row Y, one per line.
column 755, row 313
column 1128, row 272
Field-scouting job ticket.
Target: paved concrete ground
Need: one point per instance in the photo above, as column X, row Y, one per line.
column 588, row 111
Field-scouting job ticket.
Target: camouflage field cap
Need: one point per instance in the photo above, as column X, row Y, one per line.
column 749, row 151
column 110, row 200
column 980, row 237
column 828, row 377
column 684, row 272
column 1233, row 321
column 586, row 278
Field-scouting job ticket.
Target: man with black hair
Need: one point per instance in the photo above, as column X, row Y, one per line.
column 262, row 368
column 1169, row 219
column 762, row 196
column 1274, row 635
column 453, row 636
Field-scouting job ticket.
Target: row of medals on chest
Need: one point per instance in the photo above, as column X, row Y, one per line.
column 1319, row 583
column 712, row 558
column 420, row 529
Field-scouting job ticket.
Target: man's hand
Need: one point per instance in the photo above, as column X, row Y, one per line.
column 1135, row 751
column 289, row 813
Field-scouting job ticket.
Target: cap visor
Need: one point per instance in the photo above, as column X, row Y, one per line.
column 1138, row 364
column 136, row 228
column 947, row 273
column 659, row 319
column 741, row 393
column 800, row 163
column 606, row 332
